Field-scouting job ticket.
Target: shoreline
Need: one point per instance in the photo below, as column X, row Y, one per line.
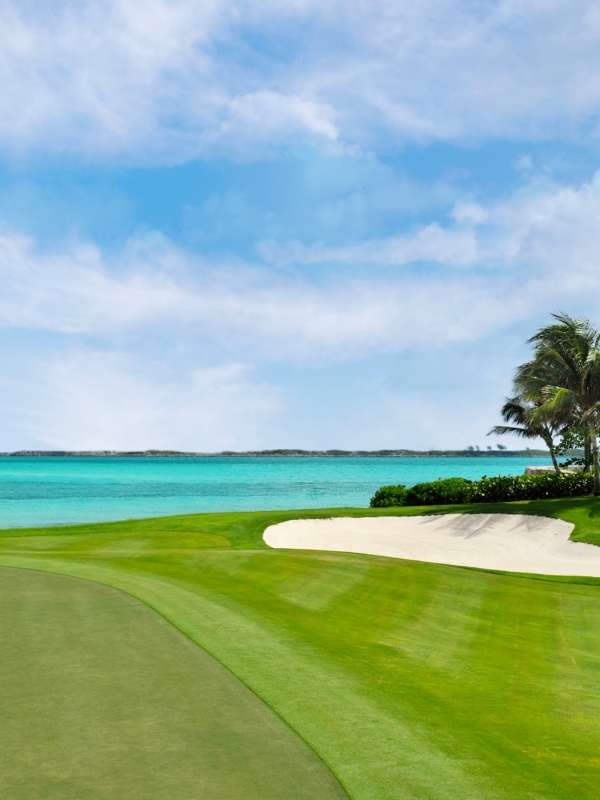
column 279, row 454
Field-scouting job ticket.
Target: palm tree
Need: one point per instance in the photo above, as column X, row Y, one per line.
column 521, row 411
column 564, row 376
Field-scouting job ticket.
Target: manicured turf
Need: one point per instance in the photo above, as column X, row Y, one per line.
column 101, row 698
column 410, row 680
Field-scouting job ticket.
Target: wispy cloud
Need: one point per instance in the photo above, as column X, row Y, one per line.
column 162, row 289
column 543, row 229
column 169, row 81
column 140, row 79
column 430, row 243
column 252, row 121
column 515, row 259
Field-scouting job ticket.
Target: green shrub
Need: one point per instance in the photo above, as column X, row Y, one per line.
column 488, row 490
column 532, row 487
column 389, row 496
column 440, row 492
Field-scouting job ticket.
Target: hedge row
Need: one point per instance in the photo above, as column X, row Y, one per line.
column 488, row 490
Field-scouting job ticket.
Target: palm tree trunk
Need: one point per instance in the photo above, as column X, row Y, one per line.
column 550, row 445
column 594, row 444
column 587, row 453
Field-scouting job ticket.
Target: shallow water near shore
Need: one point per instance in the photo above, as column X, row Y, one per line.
column 63, row 490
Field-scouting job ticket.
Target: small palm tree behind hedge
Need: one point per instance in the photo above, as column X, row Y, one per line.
column 522, row 414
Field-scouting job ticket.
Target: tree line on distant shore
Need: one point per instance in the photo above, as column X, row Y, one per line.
column 556, row 395
column 470, row 451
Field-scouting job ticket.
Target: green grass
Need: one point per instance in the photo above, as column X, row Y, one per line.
column 409, row 680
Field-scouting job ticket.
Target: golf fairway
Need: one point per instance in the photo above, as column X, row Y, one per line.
column 102, row 698
column 408, row 679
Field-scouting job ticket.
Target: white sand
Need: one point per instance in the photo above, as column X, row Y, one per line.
column 512, row 542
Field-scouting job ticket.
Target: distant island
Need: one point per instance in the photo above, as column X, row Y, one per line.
column 468, row 453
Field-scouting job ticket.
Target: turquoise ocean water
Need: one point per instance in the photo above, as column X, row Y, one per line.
column 62, row 490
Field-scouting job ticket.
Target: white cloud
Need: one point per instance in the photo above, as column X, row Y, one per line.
column 544, row 231
column 469, row 212
column 74, row 292
column 156, row 287
column 430, row 243
column 140, row 79
column 529, row 255
column 168, row 81
column 266, row 116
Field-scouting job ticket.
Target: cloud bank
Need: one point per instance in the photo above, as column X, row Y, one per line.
column 165, row 81
column 490, row 267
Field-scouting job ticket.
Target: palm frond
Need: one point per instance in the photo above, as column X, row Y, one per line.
column 524, row 433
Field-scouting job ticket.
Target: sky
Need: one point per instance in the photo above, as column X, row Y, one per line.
column 247, row 225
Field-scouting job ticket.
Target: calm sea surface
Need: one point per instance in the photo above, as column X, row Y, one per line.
column 56, row 490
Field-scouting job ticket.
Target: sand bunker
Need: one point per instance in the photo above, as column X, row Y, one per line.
column 512, row 542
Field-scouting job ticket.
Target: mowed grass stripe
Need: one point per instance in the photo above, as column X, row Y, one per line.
column 101, row 698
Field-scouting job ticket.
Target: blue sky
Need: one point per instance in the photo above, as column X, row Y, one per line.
column 253, row 225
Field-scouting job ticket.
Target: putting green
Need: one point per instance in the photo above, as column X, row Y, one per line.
column 411, row 681
column 101, row 698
